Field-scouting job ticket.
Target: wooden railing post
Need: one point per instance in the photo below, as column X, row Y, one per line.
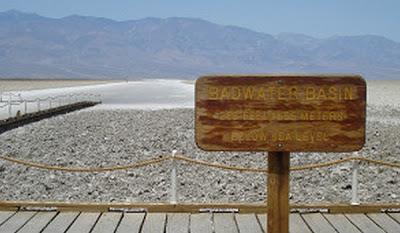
column 173, row 191
column 9, row 106
column 278, row 192
column 354, row 184
column 25, row 107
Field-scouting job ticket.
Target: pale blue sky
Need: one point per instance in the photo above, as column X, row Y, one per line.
column 319, row 18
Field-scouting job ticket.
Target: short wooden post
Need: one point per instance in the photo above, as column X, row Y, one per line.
column 25, row 107
column 173, row 194
column 278, row 192
column 9, row 106
column 354, row 185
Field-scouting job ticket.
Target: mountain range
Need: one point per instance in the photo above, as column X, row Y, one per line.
column 33, row 46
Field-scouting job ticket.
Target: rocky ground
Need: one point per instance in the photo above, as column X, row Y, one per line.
column 116, row 137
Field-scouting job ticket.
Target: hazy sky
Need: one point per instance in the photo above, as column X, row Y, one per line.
column 320, row 18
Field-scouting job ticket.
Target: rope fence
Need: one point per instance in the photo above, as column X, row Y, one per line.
column 355, row 201
column 192, row 161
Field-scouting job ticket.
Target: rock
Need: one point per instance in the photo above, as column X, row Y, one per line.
column 118, row 137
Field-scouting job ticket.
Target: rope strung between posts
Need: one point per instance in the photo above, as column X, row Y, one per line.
column 191, row 161
column 219, row 166
column 83, row 169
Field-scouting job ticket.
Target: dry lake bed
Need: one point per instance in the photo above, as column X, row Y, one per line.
column 148, row 119
column 37, row 84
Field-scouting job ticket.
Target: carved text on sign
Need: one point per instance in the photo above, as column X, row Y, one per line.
column 268, row 115
column 280, row 113
column 281, row 93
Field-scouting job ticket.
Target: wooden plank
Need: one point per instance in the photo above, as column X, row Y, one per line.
column 248, row 223
column 193, row 207
column 4, row 215
column 84, row 223
column 61, row 222
column 297, row 224
column 224, row 223
column 385, row 222
column 341, row 223
column 38, row 222
column 178, row 223
column 262, row 219
column 108, row 222
column 362, row 222
column 359, row 209
column 154, row 223
column 395, row 216
column 201, row 223
column 16, row 221
column 318, row 223
column 131, row 222
column 280, row 113
column 5, row 208
column 278, row 192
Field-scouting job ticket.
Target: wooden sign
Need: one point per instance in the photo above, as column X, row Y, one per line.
column 280, row 113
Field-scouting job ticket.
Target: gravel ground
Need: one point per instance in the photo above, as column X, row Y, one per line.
column 95, row 138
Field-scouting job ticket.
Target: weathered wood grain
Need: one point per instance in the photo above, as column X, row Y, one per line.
column 341, row 223
column 395, row 216
column 318, row 223
column 363, row 223
column 61, row 222
column 107, row 222
column 154, row 223
column 178, row 223
column 248, row 223
column 84, row 223
column 386, row 222
column 31, row 221
column 297, row 224
column 280, row 113
column 224, row 223
column 4, row 215
column 16, row 221
column 278, row 192
column 201, row 223
column 38, row 222
column 131, row 223
column 263, row 219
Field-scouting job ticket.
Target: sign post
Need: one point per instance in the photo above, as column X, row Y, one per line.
column 278, row 192
column 280, row 114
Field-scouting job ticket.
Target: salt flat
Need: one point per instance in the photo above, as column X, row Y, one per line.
column 383, row 92
column 120, row 132
column 37, row 84
column 157, row 94
column 150, row 94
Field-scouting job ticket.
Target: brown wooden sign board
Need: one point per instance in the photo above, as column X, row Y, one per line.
column 280, row 113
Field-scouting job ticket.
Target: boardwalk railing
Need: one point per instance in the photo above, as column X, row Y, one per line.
column 14, row 102
column 175, row 206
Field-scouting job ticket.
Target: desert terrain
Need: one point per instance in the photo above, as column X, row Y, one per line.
column 38, row 84
column 123, row 131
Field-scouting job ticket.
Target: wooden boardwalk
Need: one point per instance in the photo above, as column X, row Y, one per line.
column 73, row 222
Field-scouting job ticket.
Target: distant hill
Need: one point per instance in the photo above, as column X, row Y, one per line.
column 32, row 46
